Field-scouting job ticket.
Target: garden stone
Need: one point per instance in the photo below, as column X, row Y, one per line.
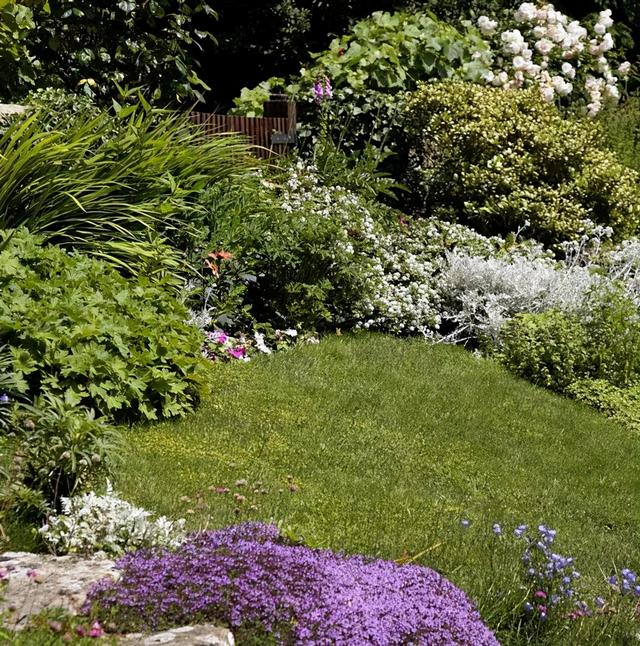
column 201, row 635
column 37, row 582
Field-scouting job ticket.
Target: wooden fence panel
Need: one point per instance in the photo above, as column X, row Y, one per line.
column 259, row 131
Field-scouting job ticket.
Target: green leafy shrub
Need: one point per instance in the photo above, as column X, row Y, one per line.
column 622, row 129
column 11, row 387
column 548, row 348
column 116, row 185
column 501, row 160
column 623, row 404
column 17, row 65
column 79, row 331
column 58, row 450
column 298, row 248
column 92, row 46
column 612, row 326
column 593, row 356
column 383, row 55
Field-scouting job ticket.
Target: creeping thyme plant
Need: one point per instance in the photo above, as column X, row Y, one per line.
column 248, row 577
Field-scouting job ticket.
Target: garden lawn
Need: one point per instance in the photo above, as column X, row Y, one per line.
column 387, row 445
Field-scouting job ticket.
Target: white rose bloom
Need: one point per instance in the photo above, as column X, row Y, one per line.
column 487, row 26
column 544, row 46
column 527, row 12
column 534, row 70
column 624, row 68
column 605, row 19
column 562, row 87
column 600, row 29
column 576, row 29
column 488, row 76
column 539, row 31
column 542, row 15
column 593, row 85
column 557, row 33
column 553, row 16
column 548, row 94
column 569, row 70
column 520, row 64
column 612, row 92
column 513, row 41
column 607, row 42
column 594, row 108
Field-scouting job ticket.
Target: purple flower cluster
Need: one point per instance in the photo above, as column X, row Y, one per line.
column 247, row 576
column 322, row 90
column 553, row 575
column 626, row 583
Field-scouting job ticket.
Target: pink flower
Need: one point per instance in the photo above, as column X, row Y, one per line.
column 237, row 353
column 32, row 574
column 541, row 594
column 96, row 630
column 219, row 337
column 322, row 89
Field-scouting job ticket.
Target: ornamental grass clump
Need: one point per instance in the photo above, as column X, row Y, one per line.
column 247, row 577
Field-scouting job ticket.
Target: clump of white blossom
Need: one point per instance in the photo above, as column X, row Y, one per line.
column 404, row 296
column 91, row 523
column 547, row 49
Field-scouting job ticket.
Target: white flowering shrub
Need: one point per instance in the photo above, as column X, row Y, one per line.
column 403, row 297
column 91, row 523
column 545, row 48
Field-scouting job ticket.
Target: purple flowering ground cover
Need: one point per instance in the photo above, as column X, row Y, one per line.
column 248, row 576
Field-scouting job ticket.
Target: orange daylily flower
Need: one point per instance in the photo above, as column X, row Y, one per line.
column 221, row 254
column 215, row 270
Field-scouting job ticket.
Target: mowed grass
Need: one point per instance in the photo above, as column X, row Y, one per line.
column 390, row 443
